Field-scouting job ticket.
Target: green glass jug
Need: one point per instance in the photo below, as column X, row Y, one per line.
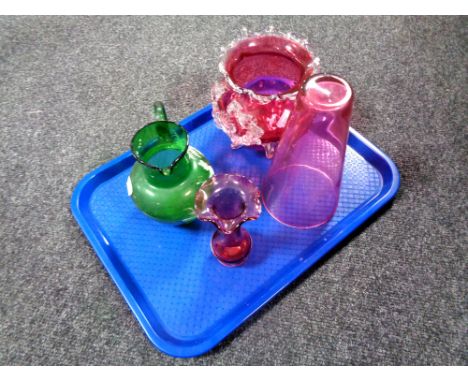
column 168, row 171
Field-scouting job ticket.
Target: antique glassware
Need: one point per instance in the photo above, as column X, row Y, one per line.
column 302, row 186
column 227, row 201
column 167, row 172
column 262, row 74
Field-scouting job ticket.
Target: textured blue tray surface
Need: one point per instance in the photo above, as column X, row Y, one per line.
column 185, row 300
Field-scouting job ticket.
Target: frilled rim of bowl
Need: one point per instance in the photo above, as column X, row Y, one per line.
column 250, row 193
column 313, row 66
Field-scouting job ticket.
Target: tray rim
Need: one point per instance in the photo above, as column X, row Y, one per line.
column 179, row 348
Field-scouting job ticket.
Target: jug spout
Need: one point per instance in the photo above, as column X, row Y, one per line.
column 167, row 171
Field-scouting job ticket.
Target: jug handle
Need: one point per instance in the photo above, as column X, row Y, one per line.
column 159, row 111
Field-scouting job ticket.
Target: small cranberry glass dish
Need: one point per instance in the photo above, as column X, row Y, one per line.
column 262, row 74
column 227, row 201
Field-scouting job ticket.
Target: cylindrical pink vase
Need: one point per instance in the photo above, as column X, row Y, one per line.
column 302, row 186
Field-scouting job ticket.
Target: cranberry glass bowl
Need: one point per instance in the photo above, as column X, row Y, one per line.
column 262, row 74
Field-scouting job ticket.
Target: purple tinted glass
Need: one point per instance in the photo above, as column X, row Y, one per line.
column 227, row 203
column 229, row 200
column 270, row 85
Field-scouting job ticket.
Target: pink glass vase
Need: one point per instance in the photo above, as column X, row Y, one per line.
column 228, row 201
column 262, row 74
column 302, row 186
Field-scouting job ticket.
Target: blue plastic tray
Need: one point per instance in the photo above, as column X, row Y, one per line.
column 184, row 299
